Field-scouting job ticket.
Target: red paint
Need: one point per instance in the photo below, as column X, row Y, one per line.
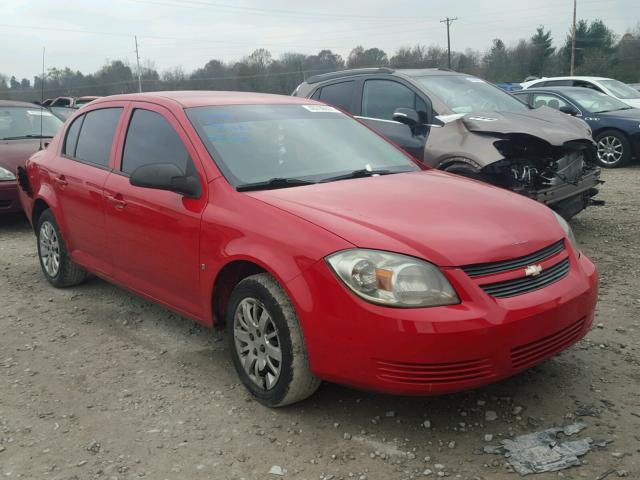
column 154, row 243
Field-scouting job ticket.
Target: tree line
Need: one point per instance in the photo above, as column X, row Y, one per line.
column 599, row 51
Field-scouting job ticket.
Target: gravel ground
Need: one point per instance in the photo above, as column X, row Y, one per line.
column 98, row 383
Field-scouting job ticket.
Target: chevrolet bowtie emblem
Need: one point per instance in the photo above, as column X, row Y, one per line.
column 533, row 271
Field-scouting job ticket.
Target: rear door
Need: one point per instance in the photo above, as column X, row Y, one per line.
column 154, row 234
column 78, row 175
column 379, row 100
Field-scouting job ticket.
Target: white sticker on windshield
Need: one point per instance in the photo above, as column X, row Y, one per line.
column 475, row 80
column 320, row 109
column 39, row 112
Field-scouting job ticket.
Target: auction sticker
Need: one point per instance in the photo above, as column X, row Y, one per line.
column 320, row 109
column 39, row 112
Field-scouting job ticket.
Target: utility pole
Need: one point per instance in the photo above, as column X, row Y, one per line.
column 138, row 61
column 448, row 21
column 573, row 39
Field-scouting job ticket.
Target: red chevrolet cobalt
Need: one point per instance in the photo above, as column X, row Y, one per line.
column 329, row 253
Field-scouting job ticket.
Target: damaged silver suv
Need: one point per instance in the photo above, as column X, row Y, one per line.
column 464, row 125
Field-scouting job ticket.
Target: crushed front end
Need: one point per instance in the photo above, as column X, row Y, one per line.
column 563, row 177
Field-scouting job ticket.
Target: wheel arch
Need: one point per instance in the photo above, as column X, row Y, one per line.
column 39, row 206
column 232, row 273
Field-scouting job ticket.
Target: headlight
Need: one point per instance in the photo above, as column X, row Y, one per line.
column 567, row 229
column 392, row 279
column 6, row 175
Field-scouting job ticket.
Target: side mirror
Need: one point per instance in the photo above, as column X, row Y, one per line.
column 569, row 110
column 408, row 116
column 165, row 176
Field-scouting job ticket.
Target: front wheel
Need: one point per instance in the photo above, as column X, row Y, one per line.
column 614, row 149
column 59, row 270
column 266, row 343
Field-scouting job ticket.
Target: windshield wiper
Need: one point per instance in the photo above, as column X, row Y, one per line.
column 273, row 184
column 22, row 137
column 360, row 174
column 614, row 110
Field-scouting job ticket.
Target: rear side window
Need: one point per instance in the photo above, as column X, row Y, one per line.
column 151, row 139
column 96, row 136
column 71, row 140
column 380, row 98
column 338, row 95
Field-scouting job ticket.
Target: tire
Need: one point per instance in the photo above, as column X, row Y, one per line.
column 256, row 342
column 613, row 150
column 56, row 265
column 467, row 171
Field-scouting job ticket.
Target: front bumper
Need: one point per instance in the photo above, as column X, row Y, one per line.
column 437, row 350
column 558, row 193
column 9, row 202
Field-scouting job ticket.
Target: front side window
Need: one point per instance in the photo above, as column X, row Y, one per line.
column 25, row 122
column 151, row 139
column 96, row 136
column 381, row 98
column 558, row 83
column 544, row 99
column 338, row 95
column 256, row 143
column 466, row 94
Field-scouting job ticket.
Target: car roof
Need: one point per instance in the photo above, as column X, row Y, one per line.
column 15, row 103
column 202, row 98
column 568, row 78
column 565, row 90
column 408, row 72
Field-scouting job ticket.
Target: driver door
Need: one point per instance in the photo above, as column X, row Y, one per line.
column 154, row 235
column 380, row 99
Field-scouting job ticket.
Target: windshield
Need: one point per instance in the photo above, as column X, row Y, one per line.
column 620, row 90
column 24, row 122
column 257, row 143
column 597, row 102
column 464, row 94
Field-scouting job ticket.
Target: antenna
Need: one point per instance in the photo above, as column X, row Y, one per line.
column 41, row 98
column 138, row 60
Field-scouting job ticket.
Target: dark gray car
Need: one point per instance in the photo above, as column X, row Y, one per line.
column 464, row 125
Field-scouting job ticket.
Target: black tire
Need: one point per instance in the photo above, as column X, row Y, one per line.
column 467, row 171
column 614, row 149
column 295, row 381
column 67, row 273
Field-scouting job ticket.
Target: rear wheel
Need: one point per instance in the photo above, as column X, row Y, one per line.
column 614, row 149
column 266, row 343
column 56, row 265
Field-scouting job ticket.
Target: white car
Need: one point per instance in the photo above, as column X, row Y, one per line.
column 614, row 88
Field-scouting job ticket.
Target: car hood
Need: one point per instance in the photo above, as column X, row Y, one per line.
column 555, row 128
column 443, row 218
column 14, row 153
column 633, row 114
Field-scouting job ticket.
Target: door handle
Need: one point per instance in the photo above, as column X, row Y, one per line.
column 116, row 201
column 61, row 181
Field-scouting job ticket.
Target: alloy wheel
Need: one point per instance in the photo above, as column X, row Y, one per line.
column 49, row 249
column 257, row 343
column 610, row 150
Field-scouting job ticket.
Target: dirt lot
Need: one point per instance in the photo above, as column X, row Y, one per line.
column 98, row 383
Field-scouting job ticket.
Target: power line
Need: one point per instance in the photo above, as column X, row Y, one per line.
column 449, row 21
column 138, row 62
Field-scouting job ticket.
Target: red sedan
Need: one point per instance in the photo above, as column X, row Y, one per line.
column 329, row 253
column 21, row 134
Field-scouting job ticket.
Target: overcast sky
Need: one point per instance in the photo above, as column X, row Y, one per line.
column 83, row 34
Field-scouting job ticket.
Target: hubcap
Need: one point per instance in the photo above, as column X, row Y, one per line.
column 49, row 249
column 610, row 150
column 257, row 343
